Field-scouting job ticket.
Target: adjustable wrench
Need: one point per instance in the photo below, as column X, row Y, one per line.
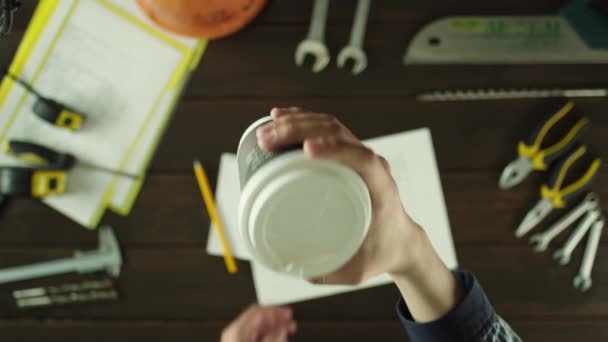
column 354, row 49
column 314, row 44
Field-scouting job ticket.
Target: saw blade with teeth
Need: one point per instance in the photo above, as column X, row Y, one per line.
column 502, row 94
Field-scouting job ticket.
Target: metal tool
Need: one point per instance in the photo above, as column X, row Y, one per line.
column 582, row 280
column 578, row 35
column 74, row 297
column 106, row 258
column 532, row 154
column 64, row 288
column 44, row 156
column 505, row 94
column 354, row 49
column 563, row 254
column 47, row 109
column 541, row 240
column 314, row 44
column 555, row 194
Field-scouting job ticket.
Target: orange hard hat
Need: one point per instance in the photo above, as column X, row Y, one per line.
column 207, row 19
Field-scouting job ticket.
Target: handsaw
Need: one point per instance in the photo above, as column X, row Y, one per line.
column 579, row 34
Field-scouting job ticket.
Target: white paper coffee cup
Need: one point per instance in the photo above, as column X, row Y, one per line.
column 297, row 215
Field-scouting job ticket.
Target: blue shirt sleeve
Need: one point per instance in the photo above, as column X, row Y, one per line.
column 473, row 319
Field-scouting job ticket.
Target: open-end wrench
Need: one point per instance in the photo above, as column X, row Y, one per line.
column 542, row 240
column 314, row 44
column 582, row 281
column 563, row 254
column 354, row 49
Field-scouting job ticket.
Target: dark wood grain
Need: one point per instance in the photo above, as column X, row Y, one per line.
column 475, row 135
column 171, row 290
column 298, row 12
column 259, row 62
column 185, row 283
column 179, row 219
column 294, row 11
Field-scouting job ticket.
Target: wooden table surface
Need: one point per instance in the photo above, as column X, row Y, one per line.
column 172, row 291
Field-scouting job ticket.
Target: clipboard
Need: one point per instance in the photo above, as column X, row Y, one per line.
column 53, row 24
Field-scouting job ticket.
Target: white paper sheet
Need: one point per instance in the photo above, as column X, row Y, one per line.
column 413, row 165
column 273, row 288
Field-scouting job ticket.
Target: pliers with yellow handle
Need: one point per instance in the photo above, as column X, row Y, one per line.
column 556, row 195
column 532, row 154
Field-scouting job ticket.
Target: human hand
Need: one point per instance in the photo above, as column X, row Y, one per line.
column 393, row 238
column 261, row 324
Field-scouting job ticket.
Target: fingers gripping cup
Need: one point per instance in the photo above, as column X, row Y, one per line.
column 297, row 215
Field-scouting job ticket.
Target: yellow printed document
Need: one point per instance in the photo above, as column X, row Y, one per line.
column 105, row 60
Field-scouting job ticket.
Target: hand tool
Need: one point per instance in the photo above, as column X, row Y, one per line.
column 504, row 94
column 37, row 154
column 542, row 240
column 578, row 35
column 532, row 154
column 44, row 156
column 74, row 297
column 354, row 49
column 555, row 194
column 30, row 182
column 49, row 110
column 64, row 288
column 314, row 44
column 582, row 280
column 563, row 254
column 7, row 9
column 107, row 258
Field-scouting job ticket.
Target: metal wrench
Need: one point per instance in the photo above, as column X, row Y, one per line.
column 542, row 240
column 314, row 44
column 582, row 281
column 354, row 49
column 563, row 254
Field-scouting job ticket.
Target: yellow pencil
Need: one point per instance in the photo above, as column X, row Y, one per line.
column 203, row 183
